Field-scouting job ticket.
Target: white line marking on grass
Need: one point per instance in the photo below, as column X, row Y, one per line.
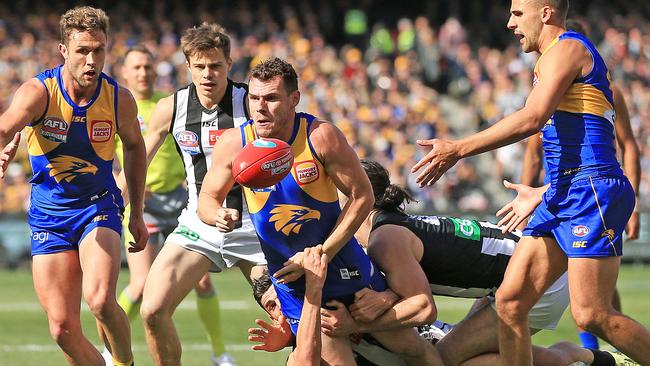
column 230, row 305
column 136, row 347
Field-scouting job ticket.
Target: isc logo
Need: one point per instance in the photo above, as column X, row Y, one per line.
column 580, row 244
column 100, row 218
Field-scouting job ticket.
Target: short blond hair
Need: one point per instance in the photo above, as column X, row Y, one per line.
column 203, row 38
column 82, row 18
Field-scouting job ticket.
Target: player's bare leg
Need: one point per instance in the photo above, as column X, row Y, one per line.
column 592, row 282
column 174, row 273
column 99, row 257
column 139, row 266
column 57, row 281
column 536, row 263
column 250, row 270
column 415, row 350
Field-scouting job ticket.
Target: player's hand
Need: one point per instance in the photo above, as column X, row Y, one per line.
column 337, row 322
column 519, row 209
column 138, row 229
column 225, row 219
column 292, row 269
column 314, row 263
column 8, row 154
column 633, row 225
column 272, row 337
column 443, row 155
column 370, row 304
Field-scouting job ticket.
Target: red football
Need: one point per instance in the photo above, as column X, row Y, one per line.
column 262, row 163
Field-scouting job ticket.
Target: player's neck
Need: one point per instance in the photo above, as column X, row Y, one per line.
column 80, row 95
column 548, row 35
column 211, row 100
column 146, row 95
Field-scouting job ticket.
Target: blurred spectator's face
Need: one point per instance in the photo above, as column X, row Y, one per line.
column 525, row 21
column 138, row 73
column 271, row 106
column 209, row 70
column 84, row 56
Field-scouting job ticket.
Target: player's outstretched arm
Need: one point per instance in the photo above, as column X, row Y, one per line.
column 135, row 170
column 158, row 128
column 519, row 209
column 28, row 104
column 630, row 156
column 343, row 167
column 218, row 181
column 308, row 340
column 562, row 64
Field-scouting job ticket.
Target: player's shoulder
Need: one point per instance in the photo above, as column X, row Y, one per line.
column 568, row 51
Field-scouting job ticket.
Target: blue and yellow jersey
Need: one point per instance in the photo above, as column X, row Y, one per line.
column 301, row 211
column 71, row 147
column 578, row 139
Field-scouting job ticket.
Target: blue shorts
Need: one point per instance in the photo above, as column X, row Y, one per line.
column 587, row 217
column 292, row 304
column 56, row 231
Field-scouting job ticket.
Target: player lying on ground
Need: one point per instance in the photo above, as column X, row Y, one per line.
column 451, row 257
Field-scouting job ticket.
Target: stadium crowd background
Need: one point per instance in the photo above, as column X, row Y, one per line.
column 385, row 73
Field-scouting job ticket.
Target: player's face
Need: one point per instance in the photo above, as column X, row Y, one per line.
column 271, row 303
column 84, row 56
column 526, row 22
column 209, row 71
column 272, row 107
column 138, row 72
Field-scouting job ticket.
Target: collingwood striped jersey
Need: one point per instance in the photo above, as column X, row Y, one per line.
column 461, row 258
column 196, row 130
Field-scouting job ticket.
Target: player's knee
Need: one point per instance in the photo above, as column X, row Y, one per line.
column 204, row 286
column 592, row 320
column 152, row 313
column 62, row 329
column 101, row 304
column 509, row 307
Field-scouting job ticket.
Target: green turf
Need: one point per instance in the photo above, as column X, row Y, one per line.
column 24, row 338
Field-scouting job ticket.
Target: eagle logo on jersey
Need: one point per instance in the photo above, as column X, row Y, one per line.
column 67, row 168
column 290, row 218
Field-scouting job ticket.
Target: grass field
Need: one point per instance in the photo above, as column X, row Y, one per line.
column 24, row 338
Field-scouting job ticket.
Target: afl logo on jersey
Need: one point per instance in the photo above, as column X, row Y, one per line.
column 55, row 129
column 188, row 141
column 580, row 231
column 100, row 131
column 306, row 172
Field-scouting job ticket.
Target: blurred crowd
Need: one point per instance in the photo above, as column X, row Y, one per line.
column 385, row 76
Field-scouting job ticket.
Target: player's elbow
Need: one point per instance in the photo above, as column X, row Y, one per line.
column 426, row 310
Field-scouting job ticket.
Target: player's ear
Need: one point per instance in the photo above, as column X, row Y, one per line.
column 546, row 13
column 295, row 98
column 63, row 50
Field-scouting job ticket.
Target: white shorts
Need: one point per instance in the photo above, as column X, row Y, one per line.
column 547, row 312
column 223, row 249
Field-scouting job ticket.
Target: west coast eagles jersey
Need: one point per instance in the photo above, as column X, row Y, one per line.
column 301, row 211
column 71, row 147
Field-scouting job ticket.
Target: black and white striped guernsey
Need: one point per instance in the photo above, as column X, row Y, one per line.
column 196, row 130
column 461, row 258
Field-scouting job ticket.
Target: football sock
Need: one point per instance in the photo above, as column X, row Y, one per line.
column 602, row 358
column 210, row 314
column 588, row 340
column 131, row 307
column 129, row 363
